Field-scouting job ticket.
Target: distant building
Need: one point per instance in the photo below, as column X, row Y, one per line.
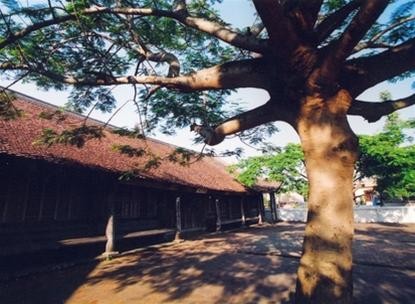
column 365, row 192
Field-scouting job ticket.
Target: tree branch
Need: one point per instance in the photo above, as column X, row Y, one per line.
column 372, row 42
column 144, row 51
column 230, row 75
column 212, row 28
column 304, row 14
column 364, row 72
column 371, row 45
column 257, row 29
column 180, row 7
column 340, row 49
column 279, row 27
column 373, row 111
column 9, row 66
column 241, row 122
column 247, row 42
column 333, row 21
column 172, row 61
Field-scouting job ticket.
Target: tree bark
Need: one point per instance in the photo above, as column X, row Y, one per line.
column 330, row 148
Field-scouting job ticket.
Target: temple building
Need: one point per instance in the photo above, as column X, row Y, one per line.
column 84, row 197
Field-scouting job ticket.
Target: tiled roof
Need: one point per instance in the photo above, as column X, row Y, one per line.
column 17, row 137
column 266, row 185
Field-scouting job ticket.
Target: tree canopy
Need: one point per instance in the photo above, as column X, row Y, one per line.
column 91, row 46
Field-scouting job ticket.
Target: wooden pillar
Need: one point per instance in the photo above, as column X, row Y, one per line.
column 277, row 204
column 110, row 232
column 62, row 174
column 260, row 210
column 7, row 200
column 243, row 217
column 28, row 182
column 178, row 218
column 42, row 197
column 273, row 206
column 218, row 215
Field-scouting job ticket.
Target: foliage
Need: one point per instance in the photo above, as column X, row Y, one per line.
column 104, row 46
column 286, row 166
column 129, row 151
column 129, row 175
column 135, row 133
column 96, row 47
column 58, row 115
column 181, row 156
column 7, row 109
column 390, row 157
column 75, row 136
column 82, row 98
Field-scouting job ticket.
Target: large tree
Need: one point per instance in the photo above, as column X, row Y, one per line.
column 313, row 57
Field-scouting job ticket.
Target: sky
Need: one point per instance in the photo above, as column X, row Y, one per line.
column 250, row 98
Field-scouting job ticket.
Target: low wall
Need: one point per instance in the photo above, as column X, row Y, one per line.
column 361, row 214
column 292, row 214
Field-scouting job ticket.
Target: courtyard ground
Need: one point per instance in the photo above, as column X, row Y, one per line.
column 254, row 265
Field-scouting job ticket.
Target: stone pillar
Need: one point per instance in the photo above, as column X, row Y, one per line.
column 218, row 216
column 243, row 212
column 178, row 218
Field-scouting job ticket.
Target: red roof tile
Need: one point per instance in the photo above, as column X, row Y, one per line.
column 266, row 185
column 17, row 138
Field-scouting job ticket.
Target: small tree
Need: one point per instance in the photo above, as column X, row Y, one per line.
column 313, row 57
column 390, row 158
column 286, row 165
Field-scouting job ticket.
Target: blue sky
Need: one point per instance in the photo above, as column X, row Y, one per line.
column 240, row 14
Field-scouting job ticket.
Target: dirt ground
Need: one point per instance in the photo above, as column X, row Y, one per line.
column 254, row 265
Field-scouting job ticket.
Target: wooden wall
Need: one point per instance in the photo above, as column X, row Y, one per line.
column 43, row 198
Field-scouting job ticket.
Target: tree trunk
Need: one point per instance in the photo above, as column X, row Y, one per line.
column 330, row 148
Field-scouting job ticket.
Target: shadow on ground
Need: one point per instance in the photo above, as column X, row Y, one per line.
column 256, row 265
